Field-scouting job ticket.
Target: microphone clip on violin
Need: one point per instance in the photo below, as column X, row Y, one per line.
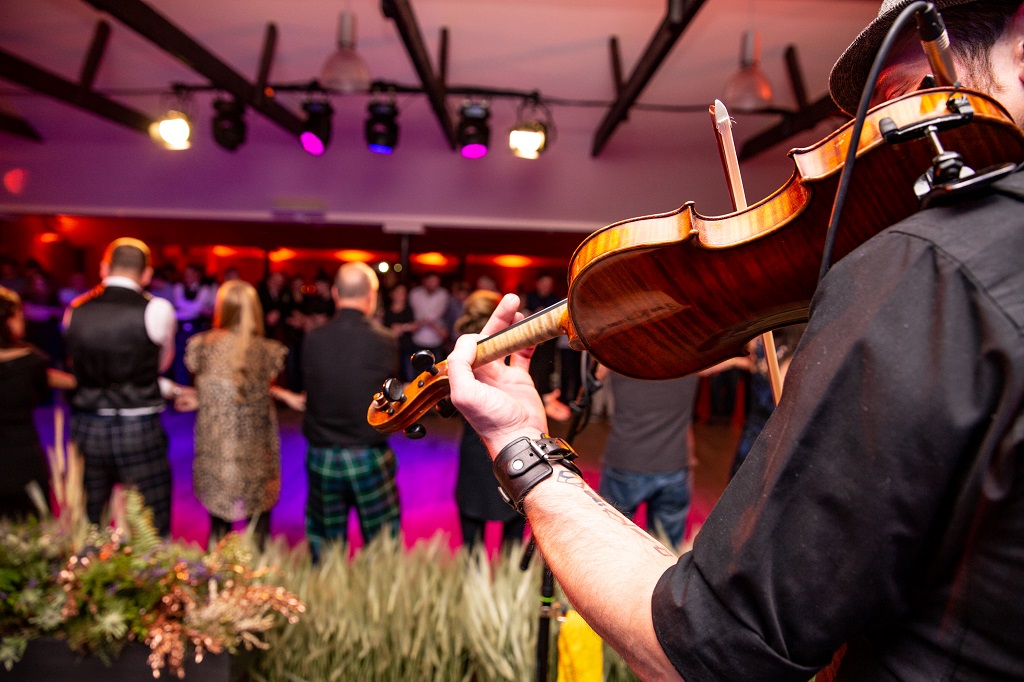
column 949, row 176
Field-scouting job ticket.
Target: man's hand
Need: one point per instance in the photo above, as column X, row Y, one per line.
column 499, row 401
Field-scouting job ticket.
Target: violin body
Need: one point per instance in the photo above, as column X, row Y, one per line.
column 663, row 296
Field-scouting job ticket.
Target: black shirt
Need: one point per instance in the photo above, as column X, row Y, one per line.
column 344, row 363
column 883, row 504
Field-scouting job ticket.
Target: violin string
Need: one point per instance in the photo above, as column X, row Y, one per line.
column 846, row 175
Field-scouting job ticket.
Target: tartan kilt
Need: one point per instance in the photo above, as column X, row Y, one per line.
column 131, row 451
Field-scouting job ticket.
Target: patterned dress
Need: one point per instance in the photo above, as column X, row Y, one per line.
column 236, row 472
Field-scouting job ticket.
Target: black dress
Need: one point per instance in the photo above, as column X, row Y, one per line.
column 23, row 386
column 476, row 493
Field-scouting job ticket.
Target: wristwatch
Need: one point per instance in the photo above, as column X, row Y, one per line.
column 525, row 462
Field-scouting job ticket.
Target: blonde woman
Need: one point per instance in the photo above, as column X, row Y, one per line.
column 236, row 473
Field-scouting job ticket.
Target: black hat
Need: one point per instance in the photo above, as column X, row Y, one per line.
column 850, row 73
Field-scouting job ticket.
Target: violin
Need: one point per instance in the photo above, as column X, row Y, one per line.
column 662, row 296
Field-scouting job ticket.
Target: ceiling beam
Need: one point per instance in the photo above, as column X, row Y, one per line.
column 97, row 48
column 148, row 23
column 36, row 78
column 15, row 125
column 400, row 11
column 677, row 18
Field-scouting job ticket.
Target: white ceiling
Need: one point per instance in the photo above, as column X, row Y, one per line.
column 653, row 162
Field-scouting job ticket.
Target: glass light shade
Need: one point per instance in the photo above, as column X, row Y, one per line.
column 172, row 131
column 345, row 71
column 748, row 89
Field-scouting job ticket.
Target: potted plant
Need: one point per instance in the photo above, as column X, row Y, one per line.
column 75, row 595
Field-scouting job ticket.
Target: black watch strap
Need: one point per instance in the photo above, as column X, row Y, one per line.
column 525, row 462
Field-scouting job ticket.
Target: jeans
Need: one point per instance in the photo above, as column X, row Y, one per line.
column 667, row 495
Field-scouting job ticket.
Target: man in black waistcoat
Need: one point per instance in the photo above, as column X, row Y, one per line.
column 119, row 340
column 348, row 462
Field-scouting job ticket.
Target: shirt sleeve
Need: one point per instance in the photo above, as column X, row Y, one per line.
column 830, row 523
column 161, row 326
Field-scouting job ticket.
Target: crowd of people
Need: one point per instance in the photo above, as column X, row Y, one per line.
column 143, row 337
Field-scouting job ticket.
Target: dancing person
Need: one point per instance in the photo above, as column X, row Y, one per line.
column 119, row 339
column 646, row 458
column 348, row 463
column 25, row 383
column 881, row 511
column 237, row 471
column 193, row 300
column 398, row 317
column 429, row 302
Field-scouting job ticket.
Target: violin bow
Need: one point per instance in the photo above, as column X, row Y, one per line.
column 730, row 161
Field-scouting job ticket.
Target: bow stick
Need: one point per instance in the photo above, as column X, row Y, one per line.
column 727, row 149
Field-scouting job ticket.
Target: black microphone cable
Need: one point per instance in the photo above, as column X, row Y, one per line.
column 858, row 127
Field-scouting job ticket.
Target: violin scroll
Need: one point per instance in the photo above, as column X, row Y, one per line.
column 399, row 408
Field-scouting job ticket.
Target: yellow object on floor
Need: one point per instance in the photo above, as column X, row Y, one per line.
column 580, row 651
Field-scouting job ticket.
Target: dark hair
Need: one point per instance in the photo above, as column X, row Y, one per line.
column 973, row 30
column 10, row 304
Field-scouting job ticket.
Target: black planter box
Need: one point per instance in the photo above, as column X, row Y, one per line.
column 50, row 660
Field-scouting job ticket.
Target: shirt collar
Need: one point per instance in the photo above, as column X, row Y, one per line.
column 121, row 281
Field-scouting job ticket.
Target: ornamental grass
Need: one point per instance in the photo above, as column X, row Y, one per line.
column 390, row 614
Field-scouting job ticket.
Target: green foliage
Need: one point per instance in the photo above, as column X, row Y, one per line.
column 385, row 614
column 98, row 590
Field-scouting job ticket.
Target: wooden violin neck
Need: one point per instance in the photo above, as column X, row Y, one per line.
column 542, row 326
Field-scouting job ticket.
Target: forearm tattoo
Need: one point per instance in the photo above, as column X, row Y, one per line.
column 611, row 512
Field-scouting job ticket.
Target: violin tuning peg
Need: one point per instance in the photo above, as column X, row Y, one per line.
column 394, row 391
column 416, row 431
column 423, row 361
column 446, row 409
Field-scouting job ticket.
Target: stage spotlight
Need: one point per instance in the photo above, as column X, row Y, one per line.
column 528, row 139
column 473, row 134
column 381, row 127
column 316, row 133
column 172, row 131
column 533, row 130
column 229, row 123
